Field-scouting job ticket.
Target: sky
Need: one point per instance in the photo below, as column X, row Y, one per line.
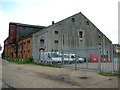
column 103, row 13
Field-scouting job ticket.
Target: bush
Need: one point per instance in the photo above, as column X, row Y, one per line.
column 30, row 59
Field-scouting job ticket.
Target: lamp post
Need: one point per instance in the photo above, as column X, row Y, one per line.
column 117, row 51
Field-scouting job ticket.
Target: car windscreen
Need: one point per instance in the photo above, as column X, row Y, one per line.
column 55, row 55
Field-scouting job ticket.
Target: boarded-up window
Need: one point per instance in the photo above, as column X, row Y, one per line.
column 80, row 34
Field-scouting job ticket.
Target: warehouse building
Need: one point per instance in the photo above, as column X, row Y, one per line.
column 73, row 32
column 19, row 41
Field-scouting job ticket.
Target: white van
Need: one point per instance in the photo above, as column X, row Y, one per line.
column 49, row 56
column 57, row 58
column 70, row 58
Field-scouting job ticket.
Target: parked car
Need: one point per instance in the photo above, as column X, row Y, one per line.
column 80, row 59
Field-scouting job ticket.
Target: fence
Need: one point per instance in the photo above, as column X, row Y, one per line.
column 90, row 58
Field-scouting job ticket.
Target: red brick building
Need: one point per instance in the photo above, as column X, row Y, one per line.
column 19, row 42
column 25, row 48
column 9, row 49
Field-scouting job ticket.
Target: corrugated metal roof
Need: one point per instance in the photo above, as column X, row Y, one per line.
column 27, row 25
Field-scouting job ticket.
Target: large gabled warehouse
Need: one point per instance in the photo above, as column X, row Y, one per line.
column 74, row 31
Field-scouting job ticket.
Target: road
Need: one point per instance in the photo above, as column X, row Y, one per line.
column 34, row 76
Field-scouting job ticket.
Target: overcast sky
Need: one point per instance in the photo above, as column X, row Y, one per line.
column 103, row 13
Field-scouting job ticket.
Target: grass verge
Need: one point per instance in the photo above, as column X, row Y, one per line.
column 25, row 61
column 109, row 74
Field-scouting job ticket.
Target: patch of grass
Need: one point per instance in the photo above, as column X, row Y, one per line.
column 46, row 65
column 109, row 74
column 25, row 61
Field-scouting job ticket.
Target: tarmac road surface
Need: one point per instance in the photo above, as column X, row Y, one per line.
column 34, row 76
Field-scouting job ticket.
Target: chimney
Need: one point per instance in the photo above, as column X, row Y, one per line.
column 52, row 22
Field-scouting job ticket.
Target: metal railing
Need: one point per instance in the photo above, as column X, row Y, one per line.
column 90, row 58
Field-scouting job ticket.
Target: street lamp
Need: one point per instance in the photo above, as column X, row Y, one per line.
column 117, row 50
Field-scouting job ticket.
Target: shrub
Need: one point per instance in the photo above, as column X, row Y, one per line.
column 30, row 59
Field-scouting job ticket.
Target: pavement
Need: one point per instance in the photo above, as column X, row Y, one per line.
column 34, row 76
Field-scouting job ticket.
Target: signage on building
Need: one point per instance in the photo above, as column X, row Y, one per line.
column 42, row 37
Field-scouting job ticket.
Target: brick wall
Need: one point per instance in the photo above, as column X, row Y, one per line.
column 5, row 47
column 20, row 32
column 12, row 34
column 25, row 48
column 9, row 50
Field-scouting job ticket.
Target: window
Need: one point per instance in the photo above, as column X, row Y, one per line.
column 73, row 20
column 99, row 36
column 56, row 32
column 107, row 52
column 56, row 41
column 24, row 43
column 80, row 35
column 24, row 51
column 72, row 56
column 87, row 22
column 28, row 51
column 20, row 43
column 56, row 50
column 28, row 41
column 41, row 41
